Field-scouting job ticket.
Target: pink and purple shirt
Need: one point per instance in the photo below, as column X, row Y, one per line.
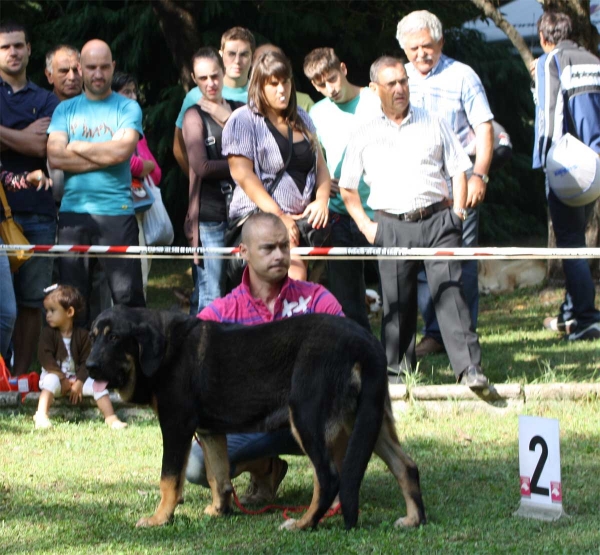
column 296, row 298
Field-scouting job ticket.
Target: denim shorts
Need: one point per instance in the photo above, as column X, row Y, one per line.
column 36, row 273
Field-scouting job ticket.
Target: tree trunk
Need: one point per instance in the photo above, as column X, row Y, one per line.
column 586, row 34
column 489, row 10
column 181, row 35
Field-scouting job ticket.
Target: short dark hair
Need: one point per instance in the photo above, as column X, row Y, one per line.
column 319, row 62
column 210, row 53
column 14, row 27
column 555, row 26
column 381, row 63
column 67, row 296
column 239, row 33
column 122, row 79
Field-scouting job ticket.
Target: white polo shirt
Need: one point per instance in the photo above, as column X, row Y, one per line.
column 407, row 165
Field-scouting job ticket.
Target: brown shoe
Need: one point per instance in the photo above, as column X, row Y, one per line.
column 428, row 346
column 263, row 489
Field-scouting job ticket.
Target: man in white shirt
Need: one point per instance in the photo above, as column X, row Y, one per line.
column 452, row 91
column 405, row 156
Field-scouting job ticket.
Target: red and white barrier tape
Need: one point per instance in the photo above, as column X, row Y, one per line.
column 379, row 253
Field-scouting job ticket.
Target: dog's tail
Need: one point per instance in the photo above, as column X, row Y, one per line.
column 367, row 425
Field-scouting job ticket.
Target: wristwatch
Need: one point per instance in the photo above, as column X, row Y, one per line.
column 461, row 213
column 485, row 178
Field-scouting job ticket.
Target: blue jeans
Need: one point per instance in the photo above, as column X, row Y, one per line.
column 209, row 280
column 243, row 448
column 569, row 227
column 470, row 238
column 8, row 304
column 36, row 273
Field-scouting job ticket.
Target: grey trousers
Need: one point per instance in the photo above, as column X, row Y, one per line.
column 399, row 287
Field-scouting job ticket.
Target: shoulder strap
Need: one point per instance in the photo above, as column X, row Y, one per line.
column 209, row 140
column 271, row 189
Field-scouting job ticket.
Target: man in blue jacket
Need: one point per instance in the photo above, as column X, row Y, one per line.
column 567, row 95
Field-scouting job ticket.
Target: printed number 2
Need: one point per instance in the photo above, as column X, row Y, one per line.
column 535, row 441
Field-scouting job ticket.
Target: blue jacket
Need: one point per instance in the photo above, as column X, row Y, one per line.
column 568, row 76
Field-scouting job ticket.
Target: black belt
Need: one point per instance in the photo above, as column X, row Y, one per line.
column 419, row 213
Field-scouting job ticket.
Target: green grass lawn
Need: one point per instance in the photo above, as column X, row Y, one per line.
column 516, row 347
column 80, row 488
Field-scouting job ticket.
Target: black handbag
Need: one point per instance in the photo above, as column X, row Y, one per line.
column 233, row 234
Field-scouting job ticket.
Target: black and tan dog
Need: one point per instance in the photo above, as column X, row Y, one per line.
column 322, row 375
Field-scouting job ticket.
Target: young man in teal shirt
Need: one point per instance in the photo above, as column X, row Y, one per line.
column 345, row 105
column 237, row 48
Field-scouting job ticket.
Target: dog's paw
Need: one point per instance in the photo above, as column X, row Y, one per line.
column 153, row 520
column 406, row 522
column 289, row 524
column 213, row 510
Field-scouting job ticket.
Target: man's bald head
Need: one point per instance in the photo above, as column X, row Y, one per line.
column 265, row 247
column 97, row 67
column 259, row 221
column 95, row 47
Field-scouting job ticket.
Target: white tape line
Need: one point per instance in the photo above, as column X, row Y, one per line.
column 364, row 253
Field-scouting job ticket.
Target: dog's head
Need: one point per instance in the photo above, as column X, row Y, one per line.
column 124, row 343
column 373, row 302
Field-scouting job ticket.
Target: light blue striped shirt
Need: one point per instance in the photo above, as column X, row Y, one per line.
column 246, row 134
column 453, row 92
column 405, row 165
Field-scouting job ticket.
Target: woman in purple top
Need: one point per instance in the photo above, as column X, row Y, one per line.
column 255, row 140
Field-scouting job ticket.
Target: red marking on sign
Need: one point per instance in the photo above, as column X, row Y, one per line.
column 556, row 492
column 525, row 486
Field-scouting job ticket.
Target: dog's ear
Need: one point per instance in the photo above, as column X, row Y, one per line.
column 152, row 347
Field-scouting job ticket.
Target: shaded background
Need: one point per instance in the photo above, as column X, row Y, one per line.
column 154, row 40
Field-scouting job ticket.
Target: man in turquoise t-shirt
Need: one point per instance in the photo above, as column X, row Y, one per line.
column 237, row 49
column 92, row 138
column 344, row 106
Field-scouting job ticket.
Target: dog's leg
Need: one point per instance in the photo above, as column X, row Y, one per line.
column 339, row 448
column 217, row 473
column 176, row 449
column 326, row 480
column 404, row 470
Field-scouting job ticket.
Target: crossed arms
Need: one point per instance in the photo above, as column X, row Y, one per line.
column 30, row 141
column 82, row 156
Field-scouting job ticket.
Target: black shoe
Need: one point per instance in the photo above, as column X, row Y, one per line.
column 474, row 378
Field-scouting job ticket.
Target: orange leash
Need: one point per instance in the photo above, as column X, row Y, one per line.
column 285, row 508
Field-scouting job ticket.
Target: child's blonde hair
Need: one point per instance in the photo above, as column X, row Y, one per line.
column 66, row 296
